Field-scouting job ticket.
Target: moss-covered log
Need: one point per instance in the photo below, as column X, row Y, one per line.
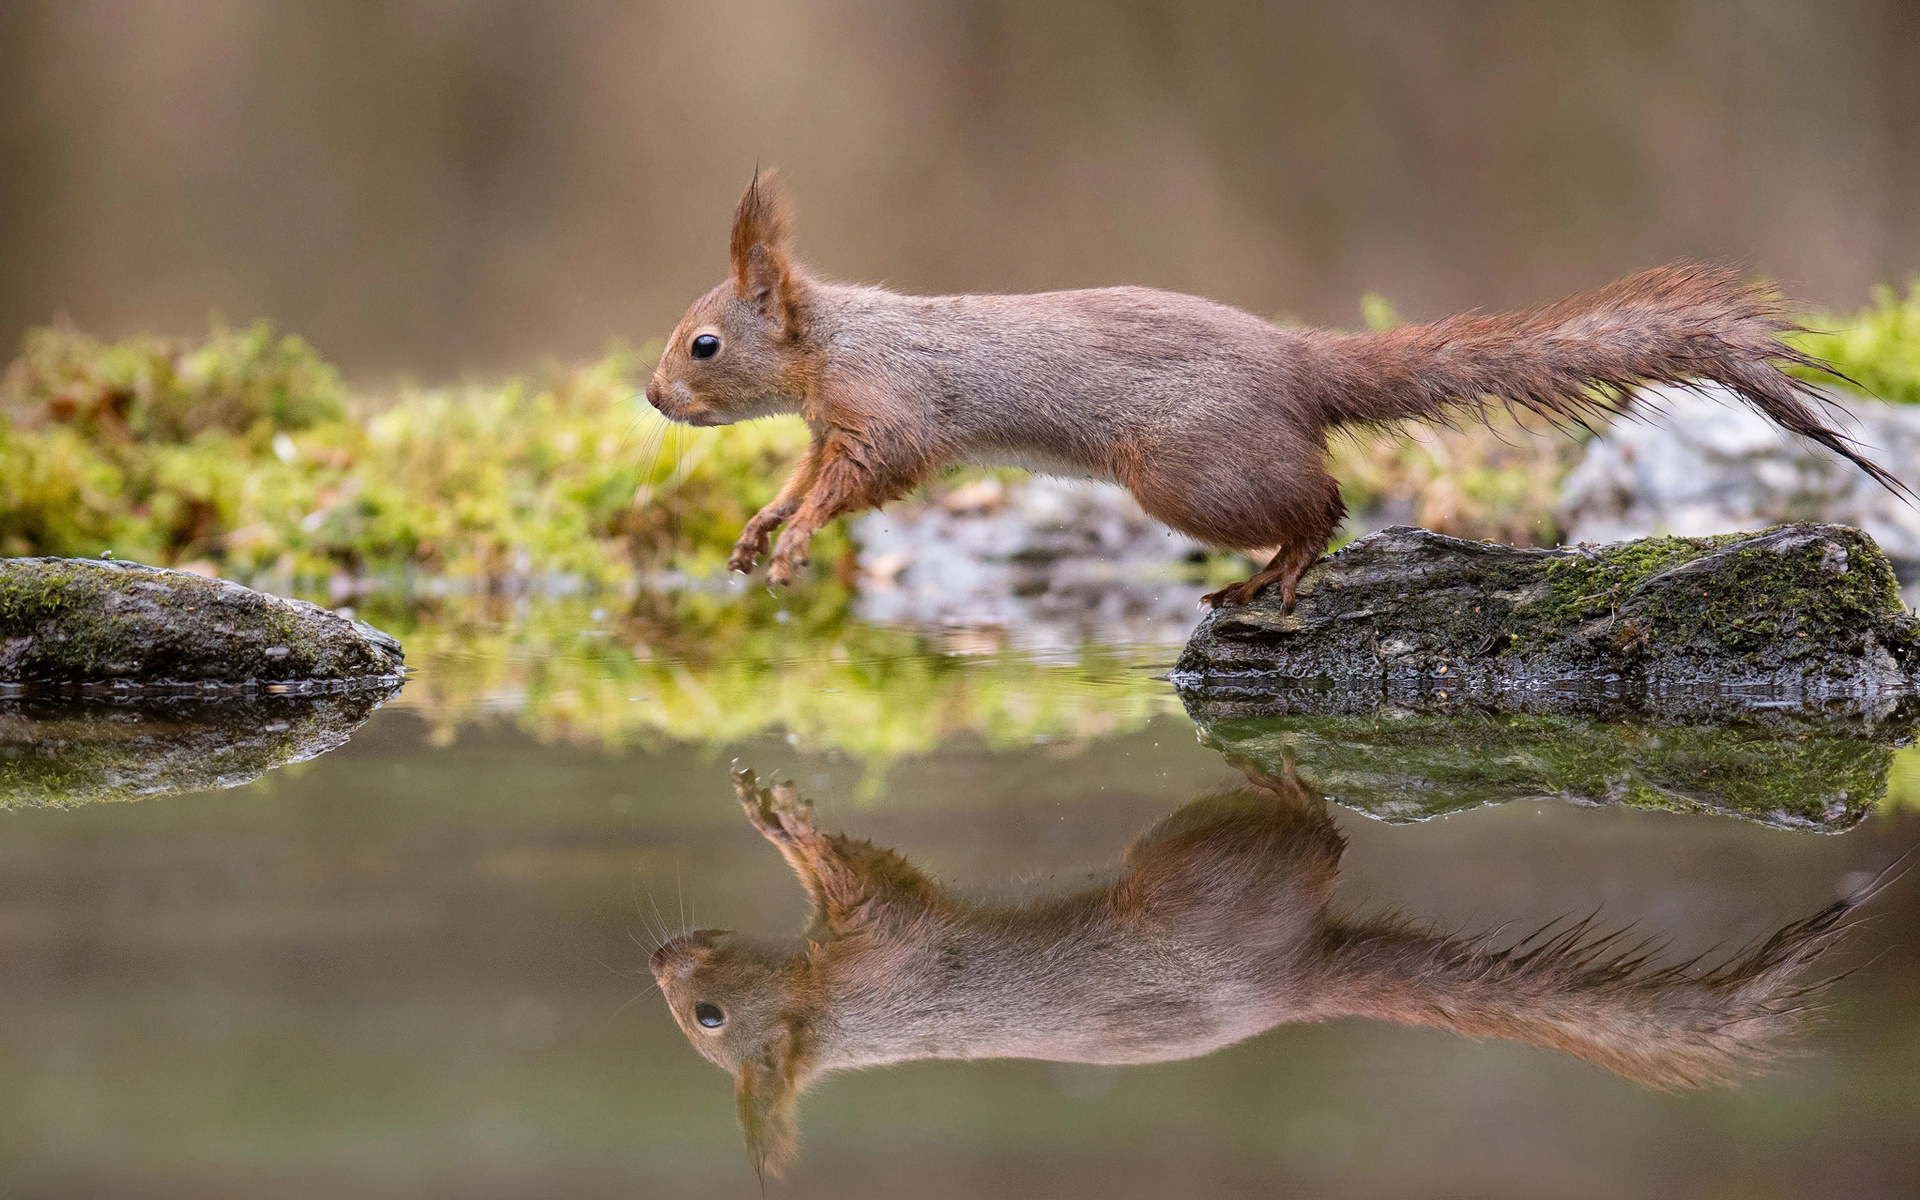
column 1689, row 628
column 87, row 626
column 65, row 753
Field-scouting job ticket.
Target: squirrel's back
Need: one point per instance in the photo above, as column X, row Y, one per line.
column 1063, row 381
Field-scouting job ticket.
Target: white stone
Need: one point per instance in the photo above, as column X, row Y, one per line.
column 1705, row 462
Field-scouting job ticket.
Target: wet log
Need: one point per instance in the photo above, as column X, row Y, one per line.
column 1799, row 616
column 91, row 627
column 1768, row 676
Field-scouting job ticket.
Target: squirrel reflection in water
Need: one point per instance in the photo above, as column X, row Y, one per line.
column 1218, row 928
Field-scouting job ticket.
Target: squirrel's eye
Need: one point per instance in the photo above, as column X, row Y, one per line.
column 705, row 346
column 709, row 1015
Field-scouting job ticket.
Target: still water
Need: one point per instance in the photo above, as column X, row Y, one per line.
column 417, row 963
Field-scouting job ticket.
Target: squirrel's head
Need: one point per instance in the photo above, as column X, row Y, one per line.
column 737, row 1000
column 742, row 351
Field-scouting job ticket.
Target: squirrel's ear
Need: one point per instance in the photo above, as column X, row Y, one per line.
column 762, row 271
column 766, row 1088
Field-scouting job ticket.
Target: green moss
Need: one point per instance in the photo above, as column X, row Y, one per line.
column 1759, row 597
column 1594, row 582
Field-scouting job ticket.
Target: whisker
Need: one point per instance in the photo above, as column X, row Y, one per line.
column 680, row 897
column 673, row 482
column 657, row 916
column 634, row 890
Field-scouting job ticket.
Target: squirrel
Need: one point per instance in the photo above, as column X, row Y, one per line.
column 1215, row 420
column 1218, row 928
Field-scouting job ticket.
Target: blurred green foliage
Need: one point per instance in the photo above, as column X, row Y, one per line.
column 244, row 456
column 1878, row 347
column 1903, row 783
column 717, row 668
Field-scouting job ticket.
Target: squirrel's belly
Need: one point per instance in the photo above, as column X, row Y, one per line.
column 1037, row 461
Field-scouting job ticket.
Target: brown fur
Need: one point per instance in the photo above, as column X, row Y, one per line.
column 1216, row 420
column 1217, row 929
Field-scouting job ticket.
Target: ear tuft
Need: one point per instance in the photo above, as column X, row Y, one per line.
column 758, row 251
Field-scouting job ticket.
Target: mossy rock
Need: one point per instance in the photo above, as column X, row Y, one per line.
column 1800, row 772
column 88, row 625
column 63, row 754
column 1697, row 628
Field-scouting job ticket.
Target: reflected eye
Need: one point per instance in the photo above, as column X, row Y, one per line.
column 705, row 346
column 709, row 1015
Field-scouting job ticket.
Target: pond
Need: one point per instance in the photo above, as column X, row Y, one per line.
column 343, row 950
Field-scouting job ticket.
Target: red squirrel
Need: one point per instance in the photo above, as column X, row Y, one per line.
column 1214, row 419
column 1217, row 928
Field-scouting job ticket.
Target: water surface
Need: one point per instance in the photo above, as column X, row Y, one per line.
column 416, row 964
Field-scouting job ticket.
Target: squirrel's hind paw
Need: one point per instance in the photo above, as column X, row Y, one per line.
column 1243, row 593
column 1232, row 596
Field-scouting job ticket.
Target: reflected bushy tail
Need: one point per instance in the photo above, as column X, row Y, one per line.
column 1594, row 995
column 1585, row 355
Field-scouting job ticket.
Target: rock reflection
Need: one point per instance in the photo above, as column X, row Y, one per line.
column 64, row 753
column 1788, row 769
column 1217, row 927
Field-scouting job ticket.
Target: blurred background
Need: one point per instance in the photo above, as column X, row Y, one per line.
column 414, row 967
column 446, row 186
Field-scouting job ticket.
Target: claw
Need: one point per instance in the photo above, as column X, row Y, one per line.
column 794, row 810
column 1240, row 594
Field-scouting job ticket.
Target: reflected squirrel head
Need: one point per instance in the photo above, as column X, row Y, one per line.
column 735, row 999
column 741, row 351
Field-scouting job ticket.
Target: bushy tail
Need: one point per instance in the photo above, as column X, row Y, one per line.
column 1585, row 355
column 1592, row 995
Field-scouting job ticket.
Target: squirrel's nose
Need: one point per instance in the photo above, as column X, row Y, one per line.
column 653, row 392
column 680, row 954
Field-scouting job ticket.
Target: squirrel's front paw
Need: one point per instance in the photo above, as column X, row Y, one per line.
column 780, row 570
column 752, row 544
column 744, row 555
column 789, row 554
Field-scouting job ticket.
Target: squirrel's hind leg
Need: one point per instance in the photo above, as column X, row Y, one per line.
column 1285, row 568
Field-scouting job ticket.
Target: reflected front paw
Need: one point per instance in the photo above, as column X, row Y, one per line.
column 794, row 811
column 780, row 813
column 757, row 801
